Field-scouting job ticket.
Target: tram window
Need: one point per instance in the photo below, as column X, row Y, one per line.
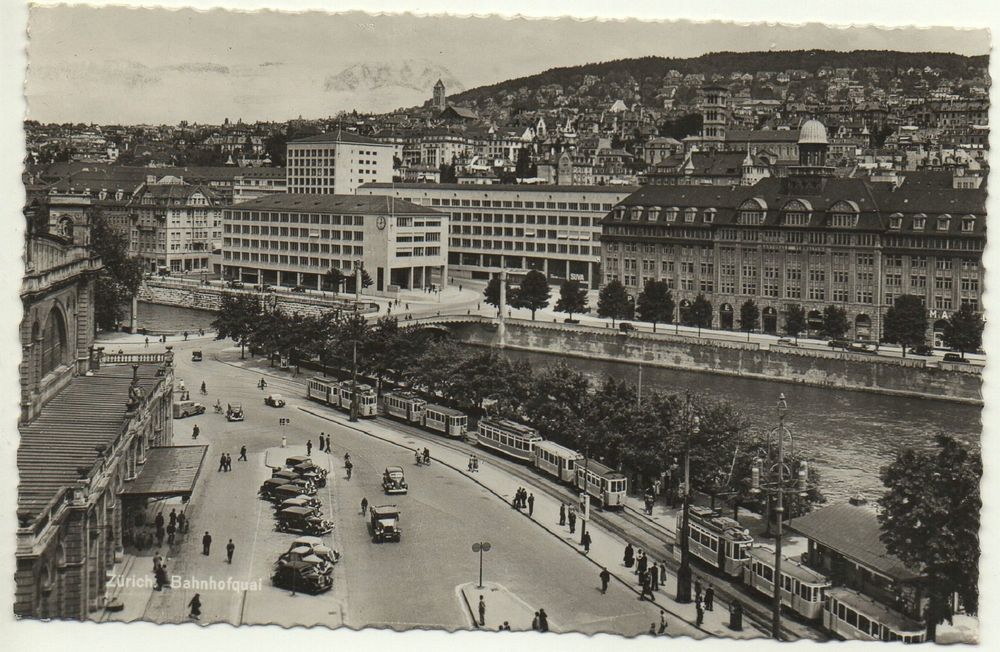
column 864, row 624
column 768, row 573
column 852, row 618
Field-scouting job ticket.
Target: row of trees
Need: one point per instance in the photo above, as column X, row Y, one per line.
column 906, row 325
column 121, row 277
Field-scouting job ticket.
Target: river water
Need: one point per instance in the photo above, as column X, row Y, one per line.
column 847, row 435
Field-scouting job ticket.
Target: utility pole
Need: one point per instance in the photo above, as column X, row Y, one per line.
column 501, row 329
column 684, row 572
column 585, row 497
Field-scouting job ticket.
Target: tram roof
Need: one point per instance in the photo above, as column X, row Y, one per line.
column 507, row 424
column 602, row 470
column 790, row 567
column 558, row 448
column 404, row 394
column 447, row 411
column 875, row 610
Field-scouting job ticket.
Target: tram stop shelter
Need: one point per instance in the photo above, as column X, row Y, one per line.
column 169, row 472
column 844, row 545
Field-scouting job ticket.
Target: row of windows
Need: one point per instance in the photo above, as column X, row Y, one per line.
column 560, row 206
column 294, row 232
column 294, row 218
column 867, row 626
column 508, row 245
column 305, row 261
column 510, row 218
column 315, row 247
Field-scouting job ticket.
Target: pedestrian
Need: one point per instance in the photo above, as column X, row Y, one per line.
column 159, row 536
column 543, row 621
column 147, row 342
column 709, row 597
column 482, row 612
column 641, row 563
column 195, row 605
column 284, row 441
column 364, row 506
column 572, row 521
column 195, row 432
column 173, row 517
column 222, row 462
column 407, row 306
column 505, row 627
column 161, row 578
column 230, row 549
column 181, row 523
column 663, row 573
column 652, row 629
column 697, row 589
column 654, row 576
column 475, row 464
column 201, row 332
column 663, row 622
column 309, row 447
column 629, row 555
column 562, row 513
column 643, row 576
column 185, row 336
column 243, row 454
column 157, row 561
column 531, row 504
column 656, row 487
column 206, row 543
column 328, row 438
column 470, row 464
column 586, row 542
column 534, row 623
column 700, row 614
column 605, row 578
column 645, row 588
column 171, row 530
column 322, row 445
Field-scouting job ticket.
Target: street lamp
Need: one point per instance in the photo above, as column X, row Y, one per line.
column 481, row 547
column 684, row 572
column 585, row 497
column 776, row 479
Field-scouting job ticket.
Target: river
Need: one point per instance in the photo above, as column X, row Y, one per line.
column 847, row 435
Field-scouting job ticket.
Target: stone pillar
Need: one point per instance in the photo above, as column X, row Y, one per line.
column 410, row 274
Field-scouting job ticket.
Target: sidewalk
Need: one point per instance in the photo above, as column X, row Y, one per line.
column 502, row 606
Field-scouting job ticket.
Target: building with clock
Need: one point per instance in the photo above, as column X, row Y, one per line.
column 294, row 239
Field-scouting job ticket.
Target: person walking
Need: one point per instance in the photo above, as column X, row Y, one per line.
column 243, row 454
column 586, row 543
column 709, row 597
column 629, row 555
column 654, row 577
column 482, row 612
column 157, row 561
column 230, row 549
column 699, row 613
column 171, row 531
column 605, row 578
column 222, row 462
column 652, row 629
column 364, row 506
column 663, row 573
column 206, row 543
column 562, row 513
column 642, row 563
column 161, row 577
column 182, row 524
column 322, row 443
column 309, row 447
column 158, row 521
column 195, row 605
column 195, row 432
column 159, row 535
column 543, row 621
column 697, row 589
column 147, row 342
column 645, row 588
column 572, row 521
column 173, row 517
column 663, row 622
column 531, row 505
column 475, row 464
column 534, row 623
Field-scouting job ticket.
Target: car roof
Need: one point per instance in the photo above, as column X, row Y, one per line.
column 302, row 511
column 385, row 509
column 393, row 469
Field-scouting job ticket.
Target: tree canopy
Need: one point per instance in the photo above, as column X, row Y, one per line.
column 656, row 303
column 239, row 316
column 572, row 298
column 613, row 302
column 533, row 292
column 749, row 316
column 701, row 312
column 963, row 330
column 906, row 322
column 795, row 320
column 121, row 277
column 835, row 323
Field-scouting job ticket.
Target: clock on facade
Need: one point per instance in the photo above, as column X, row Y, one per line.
column 380, row 222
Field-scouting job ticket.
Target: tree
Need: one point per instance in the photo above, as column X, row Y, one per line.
column 121, row 277
column 963, row 330
column 350, row 280
column 524, row 168
column 930, row 521
column 749, row 317
column 333, row 278
column 613, row 302
column 491, row 294
column 238, row 318
column 906, row 322
column 533, row 293
column 795, row 320
column 835, row 322
column 700, row 313
column 572, row 298
column 448, row 173
column 656, row 303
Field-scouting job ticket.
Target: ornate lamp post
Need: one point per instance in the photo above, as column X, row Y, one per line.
column 770, row 475
column 684, row 572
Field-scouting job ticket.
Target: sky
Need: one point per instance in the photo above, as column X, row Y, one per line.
column 131, row 65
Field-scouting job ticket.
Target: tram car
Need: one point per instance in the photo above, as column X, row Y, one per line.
column 718, row 541
column 449, row 422
column 850, row 615
column 803, row 590
column 404, row 405
column 557, row 461
column 508, row 437
column 338, row 394
column 602, row 483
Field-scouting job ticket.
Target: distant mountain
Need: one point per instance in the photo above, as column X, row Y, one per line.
column 647, row 72
column 392, row 84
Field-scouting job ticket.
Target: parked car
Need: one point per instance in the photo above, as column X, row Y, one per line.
column 626, row 327
column 299, row 288
column 385, row 523
column 196, row 356
column 184, row 409
column 922, row 349
column 236, row 285
column 234, row 412
column 315, row 546
column 393, row 481
column 270, row 487
column 275, row 400
column 860, row 347
column 954, row 357
column 838, row 344
column 784, row 341
column 302, row 520
column 301, row 576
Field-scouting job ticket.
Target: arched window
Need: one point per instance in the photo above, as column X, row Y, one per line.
column 53, row 342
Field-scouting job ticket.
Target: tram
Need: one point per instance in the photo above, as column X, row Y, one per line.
column 853, row 616
column 556, row 461
column 404, row 405
column 803, row 590
column 603, row 483
column 508, row 437
column 339, row 395
column 719, row 541
column 449, row 422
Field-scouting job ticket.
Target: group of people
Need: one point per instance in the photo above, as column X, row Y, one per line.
column 423, row 457
column 650, row 574
column 324, row 443
column 567, row 514
column 473, row 464
column 176, row 523
column 541, row 621
column 524, row 500
column 701, row 606
column 226, row 460
column 653, row 630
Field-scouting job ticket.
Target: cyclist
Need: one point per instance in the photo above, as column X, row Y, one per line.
column 204, row 388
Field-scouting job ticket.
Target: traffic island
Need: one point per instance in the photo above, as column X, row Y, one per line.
column 502, row 606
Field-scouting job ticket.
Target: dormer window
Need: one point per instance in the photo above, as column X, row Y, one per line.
column 635, row 212
column 919, row 222
column 943, row 222
column 672, row 214
column 896, row 221
column 752, row 211
column 844, row 215
column 709, row 216
column 653, row 213
column 619, row 213
column 690, row 214
column 968, row 224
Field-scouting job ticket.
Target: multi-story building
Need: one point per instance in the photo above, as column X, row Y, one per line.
column 553, row 229
column 809, row 239
column 293, row 239
column 337, row 163
column 257, row 182
column 177, row 226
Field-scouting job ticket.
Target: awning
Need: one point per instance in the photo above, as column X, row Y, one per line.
column 168, row 471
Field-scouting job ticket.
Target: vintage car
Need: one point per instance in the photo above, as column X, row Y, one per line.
column 287, row 474
column 393, row 481
column 196, row 356
column 289, row 490
column 270, row 486
column 310, row 471
column 295, row 460
column 234, row 412
column 385, row 523
column 302, row 520
column 187, row 409
column 274, row 400
column 316, row 546
column 300, row 501
column 301, row 576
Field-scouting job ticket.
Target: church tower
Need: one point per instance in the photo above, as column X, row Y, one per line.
column 440, row 97
column 714, row 116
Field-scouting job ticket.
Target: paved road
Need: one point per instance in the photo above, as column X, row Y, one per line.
column 399, row 585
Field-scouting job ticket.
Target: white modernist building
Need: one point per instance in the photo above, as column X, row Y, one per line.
column 336, row 164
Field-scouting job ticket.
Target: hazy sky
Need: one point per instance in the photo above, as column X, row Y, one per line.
column 131, row 65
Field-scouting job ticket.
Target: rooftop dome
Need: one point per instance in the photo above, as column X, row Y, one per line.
column 812, row 133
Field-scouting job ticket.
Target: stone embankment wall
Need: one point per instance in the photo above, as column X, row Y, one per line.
column 842, row 370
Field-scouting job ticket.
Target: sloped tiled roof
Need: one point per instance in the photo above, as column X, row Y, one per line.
column 853, row 531
column 88, row 412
